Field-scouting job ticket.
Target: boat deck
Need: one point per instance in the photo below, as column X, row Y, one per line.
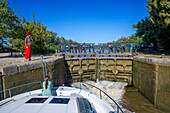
column 66, row 100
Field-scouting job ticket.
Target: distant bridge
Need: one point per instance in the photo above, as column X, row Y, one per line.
column 100, row 48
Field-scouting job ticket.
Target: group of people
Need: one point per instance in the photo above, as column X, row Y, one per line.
column 47, row 85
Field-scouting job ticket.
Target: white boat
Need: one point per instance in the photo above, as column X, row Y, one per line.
column 64, row 100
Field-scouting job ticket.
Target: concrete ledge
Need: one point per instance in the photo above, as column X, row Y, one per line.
column 37, row 64
column 22, row 66
column 10, row 69
column 161, row 61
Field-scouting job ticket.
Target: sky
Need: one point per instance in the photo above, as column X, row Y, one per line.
column 90, row 21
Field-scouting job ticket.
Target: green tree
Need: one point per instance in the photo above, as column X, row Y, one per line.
column 70, row 41
column 63, row 40
column 113, row 42
column 129, row 39
column 159, row 12
column 8, row 22
column 51, row 41
column 15, row 29
column 58, row 40
column 151, row 33
column 122, row 40
column 160, row 16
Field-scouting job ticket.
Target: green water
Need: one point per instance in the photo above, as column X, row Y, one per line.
column 136, row 102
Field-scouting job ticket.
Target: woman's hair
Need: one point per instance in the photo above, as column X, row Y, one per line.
column 28, row 33
column 46, row 82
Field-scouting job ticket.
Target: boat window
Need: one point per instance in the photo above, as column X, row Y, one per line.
column 37, row 100
column 60, row 100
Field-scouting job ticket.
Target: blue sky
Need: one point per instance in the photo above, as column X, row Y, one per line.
column 97, row 21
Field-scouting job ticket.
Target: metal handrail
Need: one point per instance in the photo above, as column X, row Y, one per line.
column 118, row 107
column 19, row 86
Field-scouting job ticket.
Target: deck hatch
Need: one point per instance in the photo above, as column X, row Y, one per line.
column 60, row 100
column 37, row 100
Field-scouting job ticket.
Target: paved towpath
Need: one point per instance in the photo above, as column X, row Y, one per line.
column 11, row 65
column 6, row 59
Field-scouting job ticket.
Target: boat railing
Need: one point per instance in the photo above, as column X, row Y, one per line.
column 9, row 90
column 118, row 108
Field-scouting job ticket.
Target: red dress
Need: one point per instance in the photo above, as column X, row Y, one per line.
column 28, row 52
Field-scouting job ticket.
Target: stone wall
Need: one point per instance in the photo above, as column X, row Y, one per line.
column 163, row 87
column 101, row 68
column 28, row 72
column 152, row 77
column 144, row 78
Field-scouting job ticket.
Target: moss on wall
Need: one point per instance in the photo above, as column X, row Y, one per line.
column 56, row 73
column 144, row 78
column 20, row 79
column 59, row 74
column 153, row 81
column 163, row 88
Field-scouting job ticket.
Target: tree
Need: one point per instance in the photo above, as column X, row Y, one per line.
column 57, row 41
column 146, row 29
column 159, row 12
column 122, row 40
column 129, row 39
column 8, row 22
column 70, row 41
column 63, row 40
column 113, row 42
column 135, row 39
column 151, row 33
column 14, row 30
column 160, row 16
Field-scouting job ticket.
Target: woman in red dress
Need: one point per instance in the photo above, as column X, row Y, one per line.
column 28, row 48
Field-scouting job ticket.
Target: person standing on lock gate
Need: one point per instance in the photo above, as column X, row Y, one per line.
column 28, row 48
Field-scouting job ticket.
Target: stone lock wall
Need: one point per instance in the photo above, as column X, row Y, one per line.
column 163, row 87
column 152, row 77
column 144, row 78
column 28, row 72
column 20, row 79
column 113, row 69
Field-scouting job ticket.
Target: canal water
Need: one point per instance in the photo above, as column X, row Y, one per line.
column 127, row 97
column 136, row 102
